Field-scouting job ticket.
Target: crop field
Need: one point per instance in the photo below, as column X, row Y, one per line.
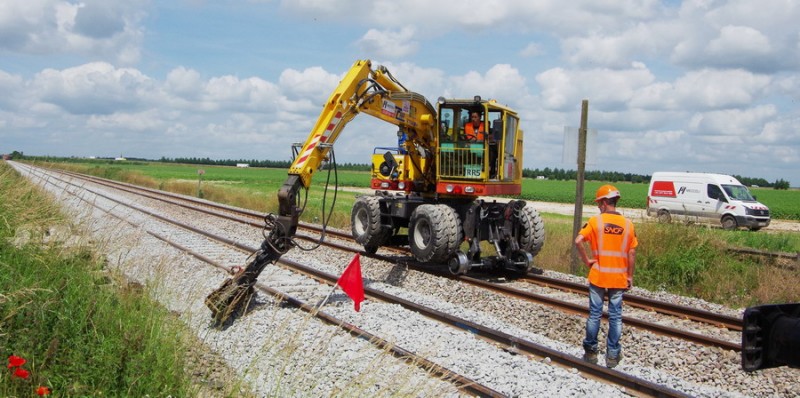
column 784, row 204
column 256, row 179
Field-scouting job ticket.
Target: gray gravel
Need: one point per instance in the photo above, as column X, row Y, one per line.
column 282, row 351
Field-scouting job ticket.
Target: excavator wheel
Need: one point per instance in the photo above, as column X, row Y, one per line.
column 365, row 221
column 532, row 231
column 434, row 233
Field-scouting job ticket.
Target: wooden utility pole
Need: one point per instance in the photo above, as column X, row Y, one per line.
column 578, row 217
column 200, row 173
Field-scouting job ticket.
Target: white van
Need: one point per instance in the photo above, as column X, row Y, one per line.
column 704, row 197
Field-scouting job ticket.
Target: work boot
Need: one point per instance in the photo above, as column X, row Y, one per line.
column 590, row 356
column 613, row 362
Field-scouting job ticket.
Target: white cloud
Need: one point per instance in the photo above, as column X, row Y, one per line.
column 312, row 83
column 94, row 88
column 502, row 82
column 531, row 50
column 440, row 17
column 710, row 89
column 733, row 122
column 605, row 88
column 184, row 82
column 149, row 120
column 702, row 90
column 738, row 34
column 618, row 50
column 92, row 27
column 740, row 42
column 389, row 43
column 783, row 133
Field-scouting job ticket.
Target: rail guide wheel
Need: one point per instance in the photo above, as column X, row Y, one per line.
column 459, row 264
column 520, row 262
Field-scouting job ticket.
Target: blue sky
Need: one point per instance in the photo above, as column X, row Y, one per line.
column 701, row 85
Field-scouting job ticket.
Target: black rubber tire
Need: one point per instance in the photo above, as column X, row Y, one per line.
column 729, row 222
column 664, row 216
column 365, row 223
column 434, row 233
column 532, row 234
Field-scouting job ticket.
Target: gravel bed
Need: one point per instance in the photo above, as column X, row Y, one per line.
column 281, row 351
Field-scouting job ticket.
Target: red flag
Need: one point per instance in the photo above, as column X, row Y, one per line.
column 351, row 281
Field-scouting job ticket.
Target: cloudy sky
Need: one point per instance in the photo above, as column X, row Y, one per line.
column 699, row 85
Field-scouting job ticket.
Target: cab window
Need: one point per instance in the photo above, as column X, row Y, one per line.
column 448, row 121
column 714, row 192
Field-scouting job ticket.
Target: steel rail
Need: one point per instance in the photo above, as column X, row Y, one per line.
column 680, row 311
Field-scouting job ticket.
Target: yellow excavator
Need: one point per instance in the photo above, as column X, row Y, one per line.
column 429, row 189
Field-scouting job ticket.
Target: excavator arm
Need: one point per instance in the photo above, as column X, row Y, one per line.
column 362, row 90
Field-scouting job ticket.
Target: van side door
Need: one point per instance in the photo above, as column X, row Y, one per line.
column 715, row 202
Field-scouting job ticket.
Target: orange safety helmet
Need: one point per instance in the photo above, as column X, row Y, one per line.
column 606, row 192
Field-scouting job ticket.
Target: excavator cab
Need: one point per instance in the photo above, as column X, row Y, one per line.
column 479, row 150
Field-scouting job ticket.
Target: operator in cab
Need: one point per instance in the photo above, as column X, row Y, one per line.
column 474, row 129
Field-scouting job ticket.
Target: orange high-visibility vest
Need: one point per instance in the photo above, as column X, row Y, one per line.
column 469, row 131
column 611, row 236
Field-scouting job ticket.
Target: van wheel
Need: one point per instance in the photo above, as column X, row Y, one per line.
column 664, row 216
column 729, row 223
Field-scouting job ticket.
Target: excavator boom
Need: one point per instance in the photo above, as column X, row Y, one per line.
column 374, row 92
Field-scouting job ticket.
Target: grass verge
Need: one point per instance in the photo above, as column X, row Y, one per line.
column 82, row 330
column 692, row 261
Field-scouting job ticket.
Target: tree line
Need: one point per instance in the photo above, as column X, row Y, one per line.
column 546, row 173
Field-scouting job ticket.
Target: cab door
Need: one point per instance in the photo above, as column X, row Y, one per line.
column 713, row 205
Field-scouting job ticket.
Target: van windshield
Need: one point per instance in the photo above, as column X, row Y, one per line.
column 738, row 192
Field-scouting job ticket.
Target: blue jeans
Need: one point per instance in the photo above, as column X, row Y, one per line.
column 614, row 319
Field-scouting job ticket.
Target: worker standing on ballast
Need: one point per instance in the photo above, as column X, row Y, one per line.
column 613, row 242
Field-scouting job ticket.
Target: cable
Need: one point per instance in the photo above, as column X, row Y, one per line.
column 325, row 218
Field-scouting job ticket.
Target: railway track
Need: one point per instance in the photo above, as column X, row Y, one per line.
column 511, row 343
column 253, row 218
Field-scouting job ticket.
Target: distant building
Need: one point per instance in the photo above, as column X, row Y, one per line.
column 242, row 165
column 120, row 158
column 6, row 156
column 541, row 177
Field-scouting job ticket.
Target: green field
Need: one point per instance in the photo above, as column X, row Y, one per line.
column 784, row 204
column 256, row 179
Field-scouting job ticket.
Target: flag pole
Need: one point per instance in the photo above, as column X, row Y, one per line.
column 335, row 285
